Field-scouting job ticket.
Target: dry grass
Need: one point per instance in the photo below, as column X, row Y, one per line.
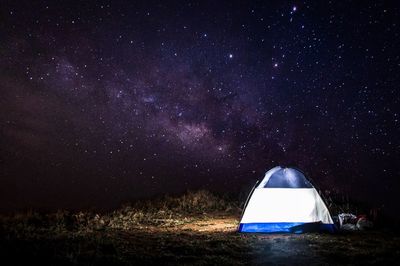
column 166, row 211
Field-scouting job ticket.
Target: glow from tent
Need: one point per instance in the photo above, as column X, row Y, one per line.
column 290, row 207
column 281, row 205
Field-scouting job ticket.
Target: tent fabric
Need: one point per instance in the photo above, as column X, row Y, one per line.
column 285, row 201
column 287, row 178
column 296, row 228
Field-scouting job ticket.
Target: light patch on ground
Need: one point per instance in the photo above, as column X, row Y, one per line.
column 227, row 224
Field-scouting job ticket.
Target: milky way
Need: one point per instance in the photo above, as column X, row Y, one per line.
column 106, row 101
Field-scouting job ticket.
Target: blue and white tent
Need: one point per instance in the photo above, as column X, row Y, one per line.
column 285, row 201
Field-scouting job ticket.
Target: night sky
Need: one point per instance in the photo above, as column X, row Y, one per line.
column 102, row 102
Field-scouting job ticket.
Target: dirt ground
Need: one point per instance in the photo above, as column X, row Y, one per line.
column 204, row 240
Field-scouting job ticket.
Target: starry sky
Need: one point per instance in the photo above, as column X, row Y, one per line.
column 107, row 101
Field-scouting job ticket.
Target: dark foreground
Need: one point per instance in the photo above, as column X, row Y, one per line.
column 173, row 234
column 204, row 241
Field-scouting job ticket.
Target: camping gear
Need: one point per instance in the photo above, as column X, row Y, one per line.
column 347, row 218
column 363, row 223
column 285, row 201
column 351, row 222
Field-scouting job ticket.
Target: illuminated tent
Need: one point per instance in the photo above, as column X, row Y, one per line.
column 285, row 201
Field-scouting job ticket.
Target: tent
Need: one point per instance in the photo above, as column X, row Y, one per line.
column 285, row 201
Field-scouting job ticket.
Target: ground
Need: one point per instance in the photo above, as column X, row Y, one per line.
column 133, row 237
